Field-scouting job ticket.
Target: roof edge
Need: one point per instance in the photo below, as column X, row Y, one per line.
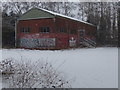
column 61, row 15
column 35, row 18
column 55, row 14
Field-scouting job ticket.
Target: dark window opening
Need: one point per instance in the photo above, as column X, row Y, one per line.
column 25, row 29
column 82, row 32
column 91, row 33
column 62, row 30
column 73, row 31
column 44, row 29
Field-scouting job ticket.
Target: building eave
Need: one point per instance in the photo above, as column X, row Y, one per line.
column 36, row 18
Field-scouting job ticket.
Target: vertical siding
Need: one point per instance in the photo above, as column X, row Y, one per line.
column 59, row 40
column 34, row 31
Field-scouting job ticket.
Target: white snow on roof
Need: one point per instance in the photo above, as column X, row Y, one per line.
column 57, row 14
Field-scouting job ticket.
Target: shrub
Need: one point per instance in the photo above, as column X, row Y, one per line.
column 40, row 74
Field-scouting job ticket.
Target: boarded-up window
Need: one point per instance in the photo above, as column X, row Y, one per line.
column 25, row 29
column 44, row 29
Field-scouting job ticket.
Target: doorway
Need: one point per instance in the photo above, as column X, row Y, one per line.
column 82, row 35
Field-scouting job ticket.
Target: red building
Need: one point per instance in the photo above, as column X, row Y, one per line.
column 43, row 29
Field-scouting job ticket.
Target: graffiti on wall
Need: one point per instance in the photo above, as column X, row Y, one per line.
column 37, row 43
column 72, row 42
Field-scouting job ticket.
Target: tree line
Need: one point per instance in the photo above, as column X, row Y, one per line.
column 104, row 15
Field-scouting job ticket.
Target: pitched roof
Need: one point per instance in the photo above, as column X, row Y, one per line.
column 36, row 13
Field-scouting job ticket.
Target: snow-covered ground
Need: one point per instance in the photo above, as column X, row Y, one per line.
column 0, row 76
column 86, row 68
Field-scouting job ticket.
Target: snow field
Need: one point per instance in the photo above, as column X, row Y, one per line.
column 85, row 68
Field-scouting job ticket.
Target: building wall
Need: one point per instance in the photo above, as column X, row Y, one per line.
column 55, row 39
column 73, row 39
column 69, row 39
column 35, row 39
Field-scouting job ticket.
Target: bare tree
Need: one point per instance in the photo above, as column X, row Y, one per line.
column 6, row 66
column 118, row 23
column 104, row 16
